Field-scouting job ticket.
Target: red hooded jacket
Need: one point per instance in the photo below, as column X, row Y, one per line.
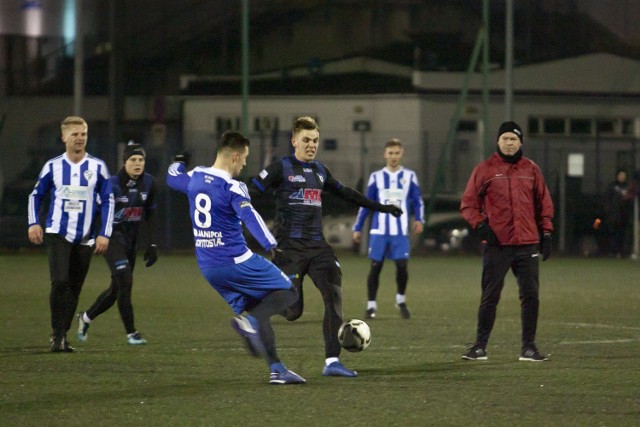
column 512, row 196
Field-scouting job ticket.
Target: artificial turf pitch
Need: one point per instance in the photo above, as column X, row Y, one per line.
column 194, row 370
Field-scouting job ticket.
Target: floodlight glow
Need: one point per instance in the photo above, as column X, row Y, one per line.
column 32, row 14
column 69, row 24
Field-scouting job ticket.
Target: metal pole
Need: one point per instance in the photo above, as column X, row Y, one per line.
column 78, row 61
column 636, row 229
column 245, row 67
column 364, row 242
column 563, row 203
column 116, row 83
column 445, row 155
column 508, row 64
column 485, row 78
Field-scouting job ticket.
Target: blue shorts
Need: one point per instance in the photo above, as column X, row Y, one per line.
column 392, row 247
column 244, row 285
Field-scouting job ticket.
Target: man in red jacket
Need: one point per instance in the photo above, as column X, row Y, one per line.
column 508, row 203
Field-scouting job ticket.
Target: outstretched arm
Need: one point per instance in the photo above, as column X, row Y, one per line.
column 357, row 198
column 176, row 178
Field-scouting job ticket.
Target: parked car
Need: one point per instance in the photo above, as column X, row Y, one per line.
column 446, row 231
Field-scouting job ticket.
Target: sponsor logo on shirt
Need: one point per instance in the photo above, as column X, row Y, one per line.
column 307, row 170
column 391, row 196
column 297, row 178
column 73, row 206
column 208, row 238
column 74, row 192
column 130, row 214
column 308, row 196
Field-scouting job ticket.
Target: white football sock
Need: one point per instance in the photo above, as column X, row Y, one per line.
column 329, row 360
column 400, row 299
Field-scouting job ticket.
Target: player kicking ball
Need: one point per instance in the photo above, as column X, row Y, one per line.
column 218, row 206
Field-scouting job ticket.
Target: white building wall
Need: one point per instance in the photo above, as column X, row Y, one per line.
column 422, row 122
column 391, row 116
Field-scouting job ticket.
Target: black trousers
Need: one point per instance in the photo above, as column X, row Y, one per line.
column 68, row 267
column 298, row 258
column 121, row 258
column 524, row 262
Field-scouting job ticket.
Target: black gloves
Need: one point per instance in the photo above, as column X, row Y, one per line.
column 182, row 157
column 151, row 255
column 392, row 209
column 486, row 234
column 545, row 246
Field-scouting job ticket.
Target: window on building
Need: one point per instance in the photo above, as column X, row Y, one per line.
column 627, row 127
column 605, row 126
column 467, row 126
column 580, row 126
column 553, row 126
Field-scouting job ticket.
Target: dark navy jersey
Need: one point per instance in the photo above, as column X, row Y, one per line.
column 134, row 202
column 298, row 188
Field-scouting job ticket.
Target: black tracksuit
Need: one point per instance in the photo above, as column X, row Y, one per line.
column 135, row 203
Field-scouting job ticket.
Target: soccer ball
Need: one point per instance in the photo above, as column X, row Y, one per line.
column 354, row 335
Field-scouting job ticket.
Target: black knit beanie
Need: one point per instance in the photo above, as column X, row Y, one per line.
column 133, row 149
column 510, row 127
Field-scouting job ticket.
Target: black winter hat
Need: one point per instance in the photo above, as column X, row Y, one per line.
column 510, row 127
column 133, row 149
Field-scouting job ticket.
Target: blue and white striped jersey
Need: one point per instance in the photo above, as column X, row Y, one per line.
column 218, row 206
column 78, row 190
column 398, row 188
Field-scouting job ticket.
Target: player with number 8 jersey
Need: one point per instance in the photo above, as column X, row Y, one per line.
column 218, row 206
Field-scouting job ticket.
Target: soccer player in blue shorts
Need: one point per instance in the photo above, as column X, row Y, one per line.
column 218, row 206
column 389, row 236
column 75, row 180
column 298, row 182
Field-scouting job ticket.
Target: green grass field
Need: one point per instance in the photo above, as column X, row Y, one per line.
column 194, row 370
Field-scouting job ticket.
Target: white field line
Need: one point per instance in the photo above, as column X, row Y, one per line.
column 600, row 326
column 620, row 341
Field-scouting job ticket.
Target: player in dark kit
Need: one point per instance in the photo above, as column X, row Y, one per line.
column 134, row 193
column 298, row 182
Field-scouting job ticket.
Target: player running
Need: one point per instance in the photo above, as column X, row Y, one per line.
column 298, row 182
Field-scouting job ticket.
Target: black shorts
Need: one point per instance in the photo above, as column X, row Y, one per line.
column 301, row 257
